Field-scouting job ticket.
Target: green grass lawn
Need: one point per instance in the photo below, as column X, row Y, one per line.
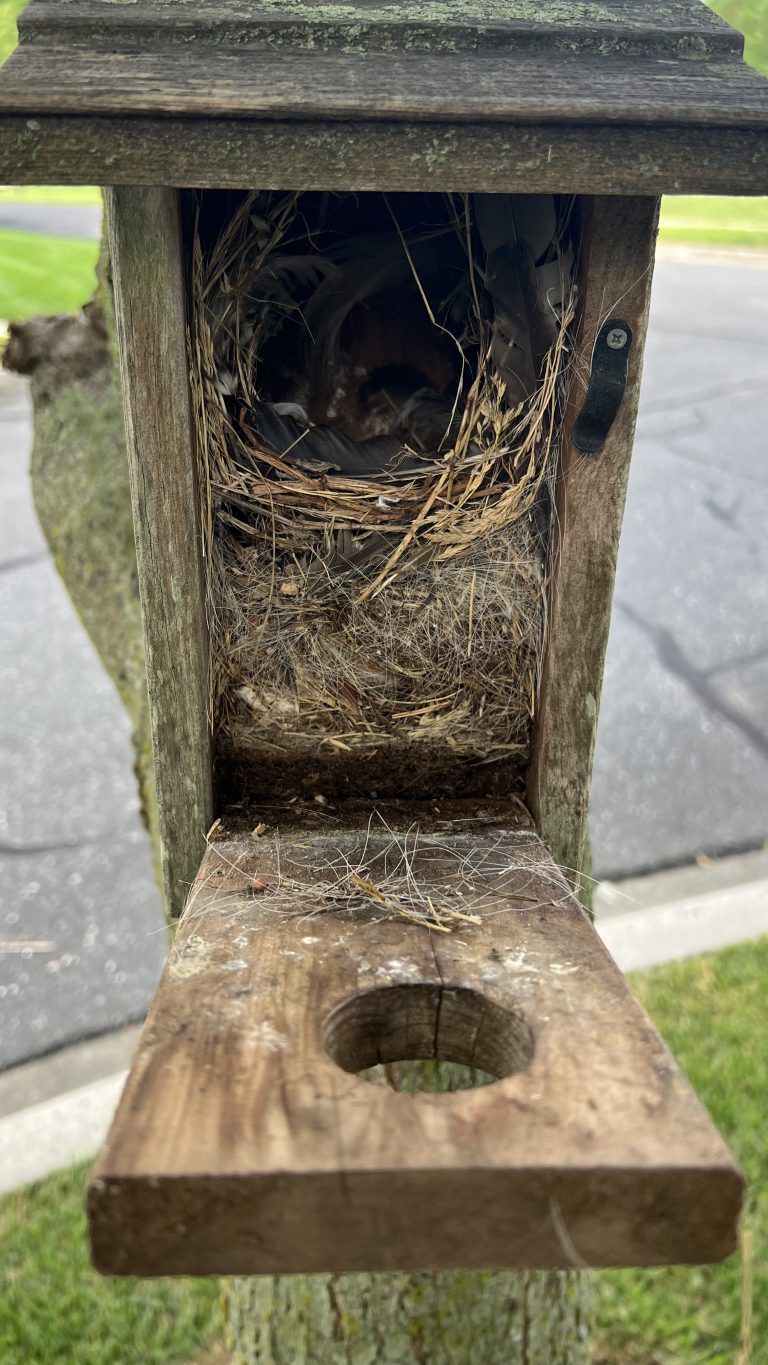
column 49, row 194
column 56, row 274
column 751, row 18
column 703, row 220
column 712, row 1012
column 44, row 274
column 9, row 11
column 41, row 274
column 54, row 1310
column 51, row 275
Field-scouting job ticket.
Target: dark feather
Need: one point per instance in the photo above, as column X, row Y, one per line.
column 523, row 328
column 429, row 422
column 284, row 279
column 350, row 553
column 322, row 449
column 504, row 219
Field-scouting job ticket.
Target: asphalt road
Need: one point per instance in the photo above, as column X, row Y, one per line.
column 76, row 884
column 682, row 752
column 682, row 756
column 53, row 220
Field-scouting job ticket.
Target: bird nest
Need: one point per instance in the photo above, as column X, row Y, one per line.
column 378, row 392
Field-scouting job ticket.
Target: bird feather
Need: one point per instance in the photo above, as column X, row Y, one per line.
column 324, row 445
column 524, row 328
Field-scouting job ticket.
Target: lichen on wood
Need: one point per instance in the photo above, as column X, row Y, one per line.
column 512, row 1318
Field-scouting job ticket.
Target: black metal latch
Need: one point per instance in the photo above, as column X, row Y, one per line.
column 607, row 383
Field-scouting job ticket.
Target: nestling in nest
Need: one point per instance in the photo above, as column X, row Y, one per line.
column 378, row 391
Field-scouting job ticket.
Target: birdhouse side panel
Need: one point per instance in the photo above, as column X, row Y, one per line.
column 616, row 277
column 150, row 310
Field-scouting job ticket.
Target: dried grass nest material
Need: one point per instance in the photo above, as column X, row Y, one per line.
column 431, row 881
column 390, row 604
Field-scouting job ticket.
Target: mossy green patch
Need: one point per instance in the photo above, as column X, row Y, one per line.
column 503, row 1318
column 82, row 497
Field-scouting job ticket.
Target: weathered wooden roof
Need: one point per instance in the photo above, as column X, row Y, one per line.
column 619, row 95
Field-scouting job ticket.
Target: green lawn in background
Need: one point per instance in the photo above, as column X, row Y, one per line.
column 55, row 1310
column 701, row 220
column 711, row 1010
column 41, row 274
column 750, row 17
column 712, row 1013
column 9, row 10
column 49, row 194
column 44, row 274
column 56, row 274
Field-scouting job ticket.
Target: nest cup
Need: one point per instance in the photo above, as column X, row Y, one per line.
column 378, row 385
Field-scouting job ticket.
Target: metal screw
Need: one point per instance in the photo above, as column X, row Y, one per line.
column 617, row 339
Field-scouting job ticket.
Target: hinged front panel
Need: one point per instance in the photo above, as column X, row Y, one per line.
column 247, row 1143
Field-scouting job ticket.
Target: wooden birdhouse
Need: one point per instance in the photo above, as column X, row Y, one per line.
column 381, row 284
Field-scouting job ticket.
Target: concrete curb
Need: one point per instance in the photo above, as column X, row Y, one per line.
column 70, row 1068
column 698, row 924
column 57, row 1133
column 673, row 915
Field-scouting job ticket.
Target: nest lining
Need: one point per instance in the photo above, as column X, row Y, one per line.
column 376, row 564
column 430, row 881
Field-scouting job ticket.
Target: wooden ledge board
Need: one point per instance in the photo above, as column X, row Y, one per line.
column 520, row 96
column 252, row 83
column 225, row 153
column 671, row 26
column 241, row 1147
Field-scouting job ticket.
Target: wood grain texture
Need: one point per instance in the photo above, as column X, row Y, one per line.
column 494, row 88
column 240, row 1146
column 231, row 153
column 145, row 247
column 616, row 274
column 671, row 26
column 614, row 97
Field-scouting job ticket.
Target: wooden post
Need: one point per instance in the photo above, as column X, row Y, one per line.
column 145, row 245
column 616, row 272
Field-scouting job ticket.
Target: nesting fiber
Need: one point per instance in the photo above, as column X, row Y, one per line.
column 360, row 605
